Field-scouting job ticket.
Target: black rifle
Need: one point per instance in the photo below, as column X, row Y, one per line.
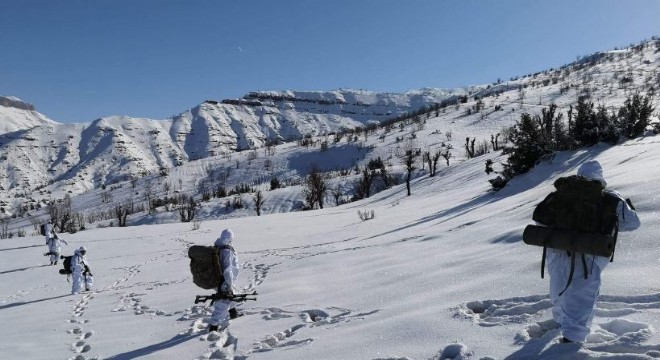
column 220, row 296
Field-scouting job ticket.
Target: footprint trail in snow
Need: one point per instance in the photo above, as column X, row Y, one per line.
column 612, row 336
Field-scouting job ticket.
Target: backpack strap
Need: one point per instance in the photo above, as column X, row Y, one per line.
column 226, row 247
column 570, row 275
column 217, row 262
column 616, row 235
column 616, row 225
column 545, row 250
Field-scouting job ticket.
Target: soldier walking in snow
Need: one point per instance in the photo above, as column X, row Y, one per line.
column 225, row 309
column 54, row 248
column 82, row 276
column 581, row 214
column 48, row 231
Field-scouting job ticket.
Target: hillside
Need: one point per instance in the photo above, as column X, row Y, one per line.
column 43, row 160
column 39, row 154
column 440, row 274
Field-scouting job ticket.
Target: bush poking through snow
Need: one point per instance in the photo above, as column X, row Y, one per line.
column 366, row 215
column 196, row 225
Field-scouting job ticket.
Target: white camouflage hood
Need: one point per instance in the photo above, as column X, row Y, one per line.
column 226, row 237
column 592, row 170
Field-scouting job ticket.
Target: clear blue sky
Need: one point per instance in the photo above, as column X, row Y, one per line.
column 77, row 60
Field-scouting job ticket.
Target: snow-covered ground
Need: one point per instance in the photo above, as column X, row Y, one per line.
column 440, row 274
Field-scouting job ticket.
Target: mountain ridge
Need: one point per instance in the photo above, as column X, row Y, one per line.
column 49, row 160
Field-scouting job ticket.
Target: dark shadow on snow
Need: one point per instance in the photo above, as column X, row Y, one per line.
column 22, row 247
column 150, row 349
column 508, row 237
column 8, row 306
column 449, row 214
column 21, row 269
column 547, row 348
column 335, row 158
column 196, row 143
column 540, row 173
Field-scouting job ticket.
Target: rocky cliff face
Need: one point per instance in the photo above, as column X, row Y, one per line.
column 10, row 101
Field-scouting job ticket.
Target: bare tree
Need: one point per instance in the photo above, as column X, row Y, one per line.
column 315, row 188
column 204, row 189
column 4, row 229
column 269, row 149
column 79, row 220
column 148, row 195
column 106, row 197
column 363, row 185
column 469, row 147
column 409, row 160
column 36, row 222
column 187, row 208
column 60, row 212
column 258, row 201
column 446, row 155
column 121, row 213
column 337, row 192
column 433, row 162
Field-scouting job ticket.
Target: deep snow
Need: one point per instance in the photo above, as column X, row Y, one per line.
column 439, row 274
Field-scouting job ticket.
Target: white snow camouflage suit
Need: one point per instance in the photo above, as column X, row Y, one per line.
column 54, row 248
column 229, row 260
column 80, row 281
column 574, row 309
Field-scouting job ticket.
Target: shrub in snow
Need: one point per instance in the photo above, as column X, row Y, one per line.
column 366, row 215
column 196, row 225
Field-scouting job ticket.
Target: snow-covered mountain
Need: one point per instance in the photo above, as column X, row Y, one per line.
column 41, row 159
column 17, row 115
column 440, row 274
column 36, row 151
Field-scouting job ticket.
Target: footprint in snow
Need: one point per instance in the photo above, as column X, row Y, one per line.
column 620, row 331
column 616, row 306
column 507, row 311
column 535, row 331
column 524, row 309
column 273, row 314
column 456, row 351
column 81, row 347
column 310, row 318
column 280, row 339
column 612, row 339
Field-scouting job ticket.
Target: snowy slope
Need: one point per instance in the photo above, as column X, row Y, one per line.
column 16, row 115
column 197, row 148
column 439, row 274
column 441, row 271
column 42, row 160
column 36, row 152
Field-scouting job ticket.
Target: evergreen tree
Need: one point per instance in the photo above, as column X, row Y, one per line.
column 607, row 125
column 526, row 137
column 634, row 115
column 585, row 128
